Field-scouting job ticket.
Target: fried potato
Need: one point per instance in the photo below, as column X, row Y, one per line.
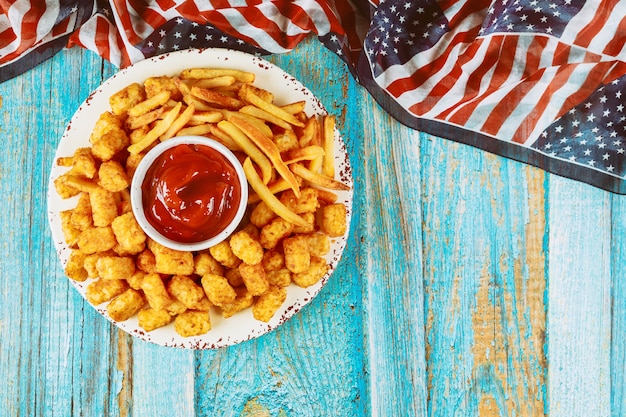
column 150, row 319
column 125, row 305
column 246, row 248
column 154, row 289
column 333, row 220
column 279, row 277
column 218, row 290
column 297, row 256
column 274, row 232
column 243, row 300
column 96, row 239
column 267, row 304
column 205, row 263
column 126, row 98
column 192, row 323
column 223, row 253
column 115, row 267
column 169, row 261
column 104, row 290
column 254, row 278
column 185, row 290
column 199, row 73
column 75, row 268
column 317, row 269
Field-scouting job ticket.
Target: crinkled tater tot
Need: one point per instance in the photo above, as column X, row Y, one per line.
column 254, row 278
column 333, row 219
column 150, row 319
column 112, row 176
column 262, row 214
column 242, row 301
column 217, row 289
column 96, row 239
column 224, row 255
column 126, row 98
column 103, row 207
column 266, row 305
column 82, row 217
column 169, row 261
column 75, row 267
column 125, row 305
column 274, row 232
column 319, row 243
column 316, row 271
column 115, row 267
column 205, row 263
column 185, row 290
column 297, row 256
column 128, row 233
column 279, row 277
column 155, row 291
column 104, row 290
column 246, row 248
column 192, row 323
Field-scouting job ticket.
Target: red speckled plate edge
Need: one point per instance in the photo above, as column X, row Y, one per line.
column 242, row 326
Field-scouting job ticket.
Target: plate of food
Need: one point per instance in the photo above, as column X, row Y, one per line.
column 269, row 262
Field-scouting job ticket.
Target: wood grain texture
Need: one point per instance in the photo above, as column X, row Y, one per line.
column 471, row 286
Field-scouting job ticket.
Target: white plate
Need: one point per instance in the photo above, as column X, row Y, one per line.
column 287, row 89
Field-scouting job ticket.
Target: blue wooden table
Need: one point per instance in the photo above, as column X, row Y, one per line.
column 471, row 285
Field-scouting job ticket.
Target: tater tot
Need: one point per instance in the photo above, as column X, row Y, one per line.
column 266, row 305
column 70, row 232
column 126, row 98
column 273, row 260
column 75, row 267
column 150, row 319
column 217, row 289
column 254, row 278
column 234, row 277
column 155, row 292
column 109, row 144
column 136, row 279
column 242, row 301
column 310, row 227
column 125, row 305
column 319, row 243
column 176, row 308
column 279, row 277
column 185, row 290
column 128, row 233
column 115, row 267
column 169, row 261
column 205, row 263
column 261, row 215
column 82, row 216
column 224, row 255
column 297, row 256
column 103, row 207
column 246, row 248
column 96, row 239
column 146, row 261
column 112, row 176
column 274, row 232
column 84, row 163
column 306, row 203
column 316, row 271
column 192, row 323
column 334, row 222
column 104, row 290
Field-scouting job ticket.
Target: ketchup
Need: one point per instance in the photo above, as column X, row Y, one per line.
column 191, row 193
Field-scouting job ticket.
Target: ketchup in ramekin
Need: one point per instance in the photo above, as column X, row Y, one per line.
column 192, row 191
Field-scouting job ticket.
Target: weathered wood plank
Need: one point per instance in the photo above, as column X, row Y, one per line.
column 579, row 310
column 618, row 306
column 484, row 274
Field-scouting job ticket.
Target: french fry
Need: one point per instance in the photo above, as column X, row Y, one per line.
column 160, row 128
column 223, row 137
column 295, row 107
column 196, row 130
column 248, row 95
column 220, row 81
column 258, row 123
column 182, row 87
column 270, row 150
column 201, row 117
column 135, row 122
column 303, row 154
column 199, row 104
column 178, row 124
column 263, row 115
column 317, row 179
column 270, row 199
column 149, row 104
column 213, row 97
column 198, row 73
column 275, row 187
column 249, row 148
column 328, row 164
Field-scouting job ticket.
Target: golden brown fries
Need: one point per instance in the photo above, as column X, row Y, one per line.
column 288, row 159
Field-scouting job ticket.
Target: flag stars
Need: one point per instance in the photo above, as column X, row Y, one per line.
column 178, row 35
column 610, row 168
column 591, row 118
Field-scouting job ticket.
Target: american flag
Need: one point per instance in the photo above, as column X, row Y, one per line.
column 539, row 81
